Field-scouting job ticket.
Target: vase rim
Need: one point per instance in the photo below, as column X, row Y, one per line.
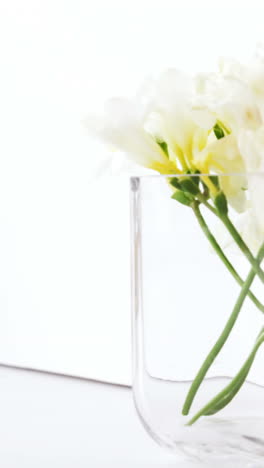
column 222, row 174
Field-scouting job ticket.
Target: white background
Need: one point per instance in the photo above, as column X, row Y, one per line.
column 64, row 236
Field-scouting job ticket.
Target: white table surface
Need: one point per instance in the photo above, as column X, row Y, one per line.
column 50, row 421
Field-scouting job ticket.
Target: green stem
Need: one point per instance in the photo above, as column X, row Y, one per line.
column 241, row 244
column 224, row 397
column 221, row 254
column 203, row 200
column 223, row 337
column 235, row 235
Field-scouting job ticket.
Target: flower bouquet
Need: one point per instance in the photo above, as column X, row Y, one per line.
column 198, row 362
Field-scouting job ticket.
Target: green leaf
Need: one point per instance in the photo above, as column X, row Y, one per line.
column 218, row 131
column 183, row 198
column 221, row 205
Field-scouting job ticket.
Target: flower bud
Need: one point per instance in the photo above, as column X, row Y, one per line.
column 221, row 204
column 183, row 197
column 189, row 186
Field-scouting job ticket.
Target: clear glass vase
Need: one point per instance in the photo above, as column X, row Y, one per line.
column 183, row 294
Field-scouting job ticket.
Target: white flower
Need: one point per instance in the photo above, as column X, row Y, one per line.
column 231, row 101
column 184, row 130
column 237, row 107
column 251, row 144
column 122, row 127
column 161, row 112
column 169, row 126
column 251, row 75
column 187, row 128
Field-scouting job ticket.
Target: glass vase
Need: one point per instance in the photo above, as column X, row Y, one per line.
column 183, row 295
